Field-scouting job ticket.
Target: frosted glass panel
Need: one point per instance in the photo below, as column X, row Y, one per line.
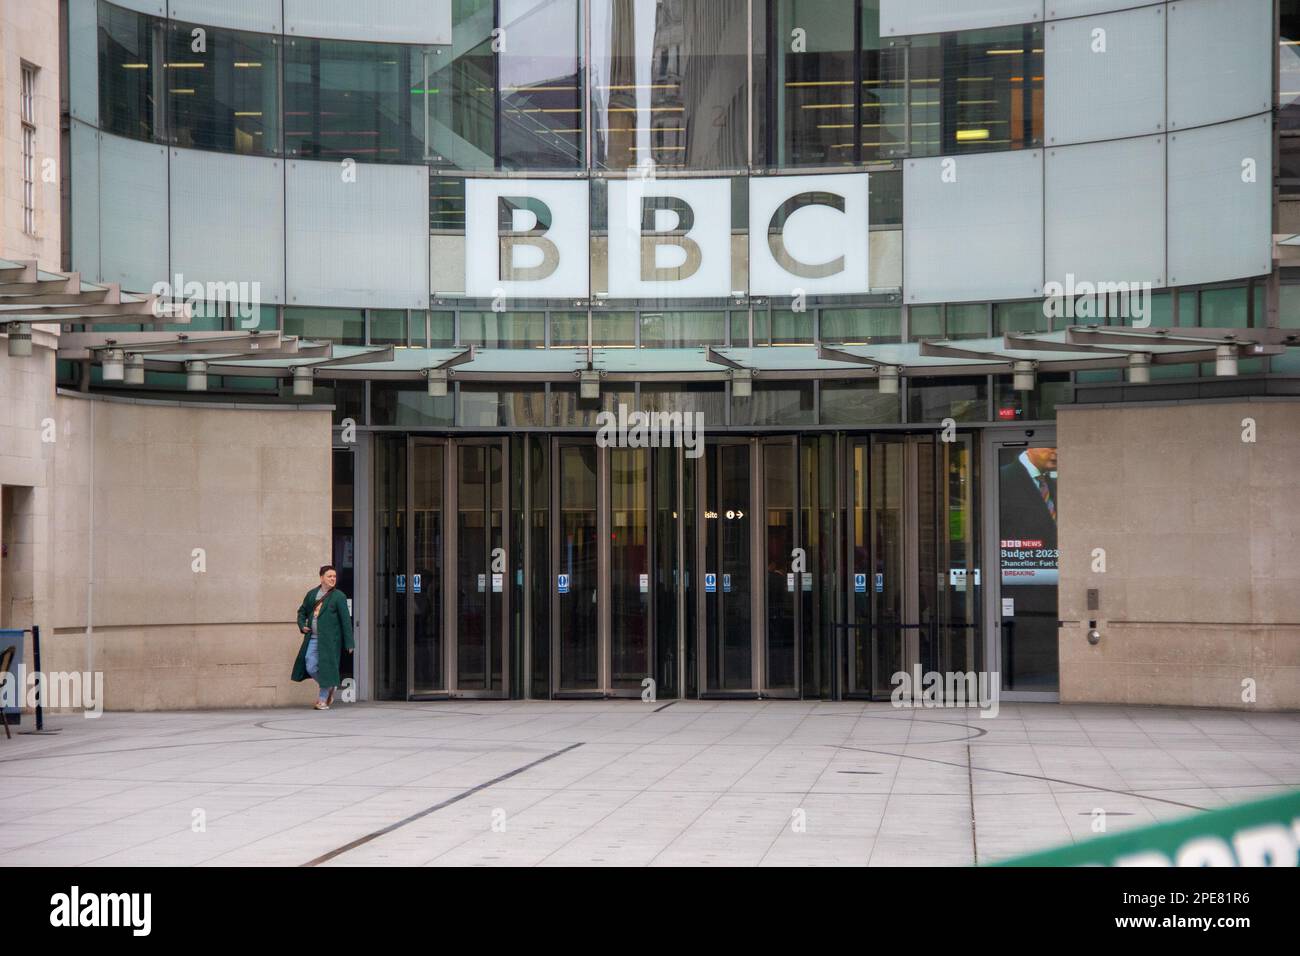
column 1105, row 217
column 1221, row 58
column 260, row 16
column 83, row 64
column 228, row 220
column 132, row 213
column 900, row 17
column 391, row 21
column 1105, row 76
column 85, row 201
column 1059, row 9
column 1220, row 224
column 974, row 227
column 357, row 240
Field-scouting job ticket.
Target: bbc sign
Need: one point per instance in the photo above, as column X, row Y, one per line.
column 668, row 238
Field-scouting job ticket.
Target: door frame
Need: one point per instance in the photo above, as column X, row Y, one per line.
column 601, row 690
column 451, row 603
column 408, row 560
column 993, row 440
column 758, row 504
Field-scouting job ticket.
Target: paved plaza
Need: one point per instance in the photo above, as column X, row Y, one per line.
column 620, row 782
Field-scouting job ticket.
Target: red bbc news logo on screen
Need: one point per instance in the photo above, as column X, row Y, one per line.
column 1006, row 414
column 1022, row 542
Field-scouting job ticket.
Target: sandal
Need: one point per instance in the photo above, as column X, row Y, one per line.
column 330, row 699
column 320, row 705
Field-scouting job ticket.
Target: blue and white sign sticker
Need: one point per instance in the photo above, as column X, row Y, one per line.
column 859, row 584
column 710, row 583
column 415, row 583
column 880, row 583
column 562, row 583
column 401, row 584
column 726, row 584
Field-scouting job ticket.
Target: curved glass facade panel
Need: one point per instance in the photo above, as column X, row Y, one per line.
column 129, row 57
column 363, row 101
column 222, row 89
column 669, row 84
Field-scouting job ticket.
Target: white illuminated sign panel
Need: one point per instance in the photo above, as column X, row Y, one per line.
column 808, row 233
column 670, row 238
column 526, row 238
column 667, row 238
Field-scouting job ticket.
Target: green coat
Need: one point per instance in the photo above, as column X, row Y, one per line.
column 333, row 633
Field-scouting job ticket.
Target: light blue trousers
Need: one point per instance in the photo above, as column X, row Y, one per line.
column 313, row 665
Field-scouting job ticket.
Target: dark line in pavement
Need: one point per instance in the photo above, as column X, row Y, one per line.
column 1027, row 776
column 970, row 783
column 361, row 841
column 665, row 706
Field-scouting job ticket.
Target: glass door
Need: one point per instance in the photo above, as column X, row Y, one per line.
column 729, row 660
column 787, row 575
column 480, row 614
column 575, row 588
column 426, row 647
column 1024, row 613
column 631, row 610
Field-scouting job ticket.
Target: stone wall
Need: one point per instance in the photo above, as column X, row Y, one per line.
column 1201, row 532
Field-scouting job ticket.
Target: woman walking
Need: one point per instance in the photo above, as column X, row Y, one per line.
column 326, row 626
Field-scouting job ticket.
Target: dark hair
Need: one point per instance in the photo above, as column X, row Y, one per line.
column 324, row 568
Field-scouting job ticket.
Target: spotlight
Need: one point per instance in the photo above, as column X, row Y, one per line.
column 437, row 381
column 113, row 364
column 1225, row 360
column 1139, row 368
column 20, row 339
column 1023, row 376
column 196, row 376
column 589, row 383
column 302, row 381
column 888, row 379
column 742, row 382
column 134, row 370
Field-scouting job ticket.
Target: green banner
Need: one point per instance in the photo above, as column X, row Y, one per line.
column 1266, row 833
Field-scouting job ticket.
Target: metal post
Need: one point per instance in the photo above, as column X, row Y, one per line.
column 40, row 686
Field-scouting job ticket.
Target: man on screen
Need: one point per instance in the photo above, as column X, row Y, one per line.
column 1029, row 496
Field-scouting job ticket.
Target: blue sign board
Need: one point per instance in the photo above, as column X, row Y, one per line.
column 859, row 584
column 710, row 583
column 401, row 584
column 880, row 583
column 562, row 583
column 415, row 583
column 726, row 584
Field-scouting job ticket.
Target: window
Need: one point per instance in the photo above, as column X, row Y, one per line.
column 363, row 101
column 669, row 83
column 28, row 110
column 127, row 65
column 977, row 90
column 222, row 89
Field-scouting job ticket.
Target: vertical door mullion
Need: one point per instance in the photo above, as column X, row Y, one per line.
column 451, row 601
column 408, row 560
column 757, row 595
column 604, row 471
column 506, row 564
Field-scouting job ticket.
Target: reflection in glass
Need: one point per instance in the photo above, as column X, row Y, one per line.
column 977, row 90
column 127, row 66
column 390, row 563
column 676, row 330
column 779, row 543
column 728, row 635
column 541, row 88
column 226, row 96
column 480, row 592
column 961, row 399
column 857, row 402
column 669, row 82
column 427, row 652
column 359, row 100
column 579, row 652
column 629, row 567
column 503, row 330
column 813, row 71
column 885, row 577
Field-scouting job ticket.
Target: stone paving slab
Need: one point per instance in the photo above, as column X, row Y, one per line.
column 620, row 783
